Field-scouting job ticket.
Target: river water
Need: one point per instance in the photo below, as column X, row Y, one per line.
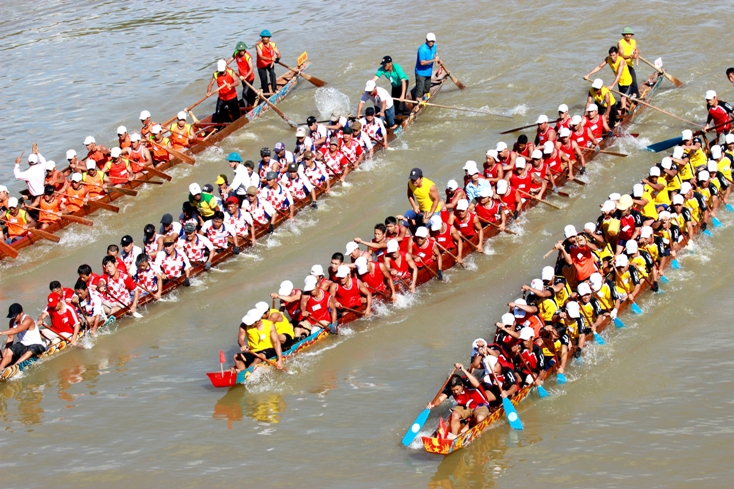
column 653, row 408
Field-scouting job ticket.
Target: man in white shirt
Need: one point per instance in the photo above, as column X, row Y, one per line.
column 317, row 132
column 383, row 102
column 35, row 176
column 244, row 177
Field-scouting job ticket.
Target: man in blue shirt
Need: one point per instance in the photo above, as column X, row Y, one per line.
column 424, row 65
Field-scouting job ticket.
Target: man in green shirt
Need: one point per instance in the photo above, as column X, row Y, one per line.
column 398, row 80
column 204, row 202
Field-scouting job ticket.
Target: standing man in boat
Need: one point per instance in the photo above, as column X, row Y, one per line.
column 245, row 71
column 267, row 55
column 384, row 105
column 630, row 52
column 622, row 79
column 35, row 176
column 470, row 398
column 228, row 108
column 720, row 113
column 397, row 78
column 423, row 198
column 424, row 66
column 27, row 335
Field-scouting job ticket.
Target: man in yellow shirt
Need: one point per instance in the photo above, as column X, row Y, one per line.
column 423, row 197
column 630, row 51
column 622, row 74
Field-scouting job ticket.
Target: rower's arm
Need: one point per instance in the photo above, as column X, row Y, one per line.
column 332, row 306
column 368, row 297
column 242, row 339
column 597, row 69
column 276, row 344
column 437, row 256
column 411, row 200
column 435, row 201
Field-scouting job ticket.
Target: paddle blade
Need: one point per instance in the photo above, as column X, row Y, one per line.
column 716, row 222
column 618, row 323
column 635, row 308
column 222, row 358
column 663, row 145
column 675, row 264
column 218, row 380
column 8, row 250
column 708, row 233
column 673, row 80
column 542, row 392
column 599, row 340
column 511, row 413
column 333, row 328
column 561, row 378
column 664, row 279
column 416, row 427
column 729, row 207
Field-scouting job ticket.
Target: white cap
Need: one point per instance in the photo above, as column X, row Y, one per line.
column 50, row 165
column 590, row 227
column 645, row 232
column 194, row 189
column 615, row 196
column 501, row 146
column 631, row 247
column 547, row 273
column 542, row 119
column 134, row 137
column 537, row 154
column 564, row 132
column 286, row 287
column 309, row 283
column 492, row 153
column 621, row 261
column 472, row 171
column 663, row 216
column 678, row 152
column 144, row 115
column 469, row 165
column 317, row 270
column 392, row 246
column 548, row 147
column 703, row 176
column 570, row 231
column 121, row 130
column 12, row 202
column 576, row 120
column 685, row 187
column 667, row 163
column 462, row 205
column 502, row 187
column 592, row 108
column 361, row 264
column 3, row 188
column 431, row 37
column 262, row 307
column 115, row 152
column 181, row 116
column 251, row 317
column 537, row 284
column 421, row 232
column 342, row 271
column 516, row 311
column 519, row 162
column 608, row 206
column 452, row 185
column 596, row 281
column 221, row 65
column 597, row 83
column 369, row 86
column 729, row 138
column 486, row 192
column 712, row 167
column 508, row 319
column 435, row 223
column 687, row 134
column 716, row 152
column 527, row 333
column 156, row 129
column 351, row 247
column 70, row 154
column 710, row 94
column 678, row 199
column 89, row 140
column 301, row 132
column 91, row 164
column 583, row 289
column 563, row 108
column 637, row 190
column 572, row 309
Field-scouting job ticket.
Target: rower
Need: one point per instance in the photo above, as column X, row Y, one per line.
column 245, row 72
column 630, row 52
column 454, row 193
column 544, row 132
column 257, row 339
column 581, row 134
column 604, row 99
column 627, row 226
column 383, row 103
column 182, row 133
column 576, row 328
column 334, row 160
column 90, row 306
column 75, row 164
column 580, row 255
column 363, row 140
column 298, row 185
column 400, row 264
column 509, row 197
column 55, row 177
column 303, row 143
column 570, row 152
column 337, row 123
column 378, row 243
column 396, row 229
column 521, row 147
column 644, row 204
column 96, row 152
column 76, row 195
column 425, row 252
column 198, row 248
column 605, row 293
column 374, row 128
column 4, row 197
column 337, row 259
column 159, row 153
column 172, row 263
column 349, row 292
column 424, row 66
column 720, row 113
column 318, row 309
column 521, row 178
column 503, row 382
column 564, row 119
column 471, row 402
column 138, row 155
column 643, row 262
column 267, row 56
column 627, row 279
column 423, row 198
column 489, row 210
column 123, row 138
column 723, row 162
column 493, row 171
column 375, row 275
column 64, row 319
column 260, row 209
column 148, row 276
column 88, row 277
column 476, row 182
column 238, row 220
column 622, row 77
column 129, row 253
column 504, row 157
column 28, row 343
column 540, row 173
column 283, row 327
column 682, row 159
column 596, row 124
column 35, row 176
column 117, row 288
column 118, row 170
column 277, row 195
column 316, row 173
column 220, row 234
column 51, row 208
column 351, row 149
column 447, row 237
column 228, row 108
column 204, row 202
column 290, row 300
column 730, row 74
column 282, row 156
column 317, row 132
column 147, row 124
column 244, row 177
column 151, row 240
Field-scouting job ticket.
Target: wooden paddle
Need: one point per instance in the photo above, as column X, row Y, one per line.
column 163, row 125
column 451, row 107
column 381, row 292
column 355, row 311
column 456, row 259
column 525, row 127
column 312, row 79
column 453, row 78
column 178, row 154
column 434, row 273
column 476, row 247
column 122, row 190
column 670, row 77
column 155, row 172
column 495, row 225
column 152, row 182
column 423, row 416
column 96, row 205
column 8, row 250
column 539, row 199
column 68, row 217
column 272, row 105
column 268, row 361
column 604, row 151
column 574, row 179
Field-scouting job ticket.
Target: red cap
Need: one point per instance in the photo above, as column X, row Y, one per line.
column 232, row 200
column 53, row 300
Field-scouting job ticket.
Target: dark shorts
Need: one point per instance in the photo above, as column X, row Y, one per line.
column 288, row 341
column 249, row 357
column 20, row 349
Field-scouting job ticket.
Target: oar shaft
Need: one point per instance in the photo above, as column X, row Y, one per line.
column 539, row 199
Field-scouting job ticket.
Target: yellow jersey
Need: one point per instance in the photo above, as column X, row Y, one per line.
column 258, row 339
column 626, row 78
column 599, row 98
column 422, row 195
column 649, row 210
column 627, row 49
column 284, row 326
column 724, row 166
column 660, row 196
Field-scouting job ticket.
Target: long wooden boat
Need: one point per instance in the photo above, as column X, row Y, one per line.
column 424, row 275
column 209, row 134
column 404, row 121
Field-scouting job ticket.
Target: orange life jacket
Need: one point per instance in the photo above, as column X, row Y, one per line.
column 180, row 136
column 75, row 198
column 53, row 206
